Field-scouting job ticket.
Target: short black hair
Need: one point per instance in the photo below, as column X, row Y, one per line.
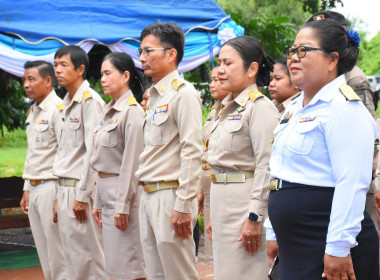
column 77, row 55
column 45, row 68
column 334, row 38
column 123, row 62
column 331, row 15
column 169, row 34
column 250, row 50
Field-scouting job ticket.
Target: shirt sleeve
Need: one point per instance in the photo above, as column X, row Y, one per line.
column 91, row 114
column 188, row 116
column 270, row 235
column 134, row 145
column 264, row 119
column 349, row 136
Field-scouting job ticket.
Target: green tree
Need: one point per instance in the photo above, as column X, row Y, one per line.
column 370, row 56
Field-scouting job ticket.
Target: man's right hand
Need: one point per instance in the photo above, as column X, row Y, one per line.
column 272, row 251
column 24, row 203
column 209, row 230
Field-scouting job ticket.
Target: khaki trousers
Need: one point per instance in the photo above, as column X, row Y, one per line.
column 229, row 210
column 122, row 250
column 206, row 186
column 45, row 232
column 167, row 257
column 82, row 242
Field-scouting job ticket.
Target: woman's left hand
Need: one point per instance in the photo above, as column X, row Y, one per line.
column 121, row 221
column 250, row 235
column 338, row 268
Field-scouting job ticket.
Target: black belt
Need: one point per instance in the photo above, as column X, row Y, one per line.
column 278, row 184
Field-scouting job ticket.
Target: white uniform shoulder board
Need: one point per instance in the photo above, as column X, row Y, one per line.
column 87, row 94
column 349, row 93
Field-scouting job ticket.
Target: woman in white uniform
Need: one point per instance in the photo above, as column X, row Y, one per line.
column 118, row 142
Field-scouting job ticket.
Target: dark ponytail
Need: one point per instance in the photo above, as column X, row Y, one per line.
column 250, row 50
column 123, row 62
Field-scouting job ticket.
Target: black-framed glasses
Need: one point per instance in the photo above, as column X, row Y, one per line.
column 146, row 51
column 300, row 51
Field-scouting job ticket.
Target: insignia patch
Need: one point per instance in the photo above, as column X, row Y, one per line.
column 101, row 122
column 254, row 94
column 235, row 116
column 132, row 101
column 349, row 93
column 287, row 117
column 87, row 94
column 176, row 84
column 43, row 122
column 74, row 120
column 60, row 106
column 307, row 119
column 240, row 109
column 113, row 120
column 160, row 109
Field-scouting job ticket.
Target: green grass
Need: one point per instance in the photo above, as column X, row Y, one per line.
column 12, row 153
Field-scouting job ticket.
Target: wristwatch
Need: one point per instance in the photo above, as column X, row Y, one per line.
column 253, row 217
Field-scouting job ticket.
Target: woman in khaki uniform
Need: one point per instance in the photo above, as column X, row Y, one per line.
column 281, row 88
column 204, row 187
column 118, row 142
column 239, row 152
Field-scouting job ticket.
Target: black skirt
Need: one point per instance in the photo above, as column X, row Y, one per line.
column 300, row 219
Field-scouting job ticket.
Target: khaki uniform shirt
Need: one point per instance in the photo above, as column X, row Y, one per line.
column 43, row 129
column 173, row 138
column 359, row 83
column 240, row 141
column 118, row 142
column 282, row 106
column 81, row 114
column 206, row 133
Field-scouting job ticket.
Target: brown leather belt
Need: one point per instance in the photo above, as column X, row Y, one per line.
column 106, row 175
column 153, row 187
column 37, row 182
column 206, row 166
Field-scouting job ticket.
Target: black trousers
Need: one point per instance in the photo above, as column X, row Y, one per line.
column 300, row 219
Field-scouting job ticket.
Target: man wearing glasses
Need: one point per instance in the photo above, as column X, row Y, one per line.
column 170, row 164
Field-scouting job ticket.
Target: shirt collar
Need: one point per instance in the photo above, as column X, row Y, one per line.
column 120, row 103
column 242, row 98
column 165, row 83
column 44, row 105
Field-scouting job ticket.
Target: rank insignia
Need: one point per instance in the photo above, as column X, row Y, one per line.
column 160, row 109
column 307, row 119
column 74, row 120
column 287, row 117
column 101, row 122
column 43, row 122
column 111, row 121
column 240, row 109
column 235, row 116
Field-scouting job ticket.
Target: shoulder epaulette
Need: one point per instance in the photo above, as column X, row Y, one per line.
column 132, row 101
column 254, row 94
column 176, row 84
column 213, row 107
column 27, row 112
column 87, row 94
column 60, row 106
column 349, row 93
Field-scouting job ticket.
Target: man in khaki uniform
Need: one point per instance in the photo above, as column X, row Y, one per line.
column 43, row 129
column 81, row 239
column 171, row 161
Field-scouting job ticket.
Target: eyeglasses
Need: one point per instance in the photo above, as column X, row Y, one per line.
column 146, row 51
column 300, row 51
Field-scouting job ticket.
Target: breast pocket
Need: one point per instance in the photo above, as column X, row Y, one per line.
column 160, row 129
column 74, row 134
column 302, row 139
column 41, row 137
column 108, row 137
column 233, row 135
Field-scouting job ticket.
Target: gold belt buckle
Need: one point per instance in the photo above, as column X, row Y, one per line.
column 34, row 182
column 273, row 186
column 213, row 178
column 146, row 189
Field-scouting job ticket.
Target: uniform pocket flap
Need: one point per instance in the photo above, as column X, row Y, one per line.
column 74, row 125
column 306, row 127
column 160, row 118
column 110, row 127
column 233, row 126
column 42, row 127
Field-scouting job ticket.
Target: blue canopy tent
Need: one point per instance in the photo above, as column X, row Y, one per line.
column 35, row 29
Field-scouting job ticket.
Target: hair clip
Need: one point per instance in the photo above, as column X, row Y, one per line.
column 354, row 36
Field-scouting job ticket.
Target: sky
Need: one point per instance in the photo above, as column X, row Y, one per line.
column 366, row 10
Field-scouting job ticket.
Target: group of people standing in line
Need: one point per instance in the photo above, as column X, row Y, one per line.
column 123, row 182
